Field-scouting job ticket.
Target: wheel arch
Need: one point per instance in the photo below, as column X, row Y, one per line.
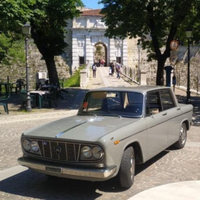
column 138, row 152
column 186, row 122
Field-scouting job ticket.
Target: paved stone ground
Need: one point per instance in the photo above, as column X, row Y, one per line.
column 18, row 183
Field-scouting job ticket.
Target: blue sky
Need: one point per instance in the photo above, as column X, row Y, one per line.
column 92, row 4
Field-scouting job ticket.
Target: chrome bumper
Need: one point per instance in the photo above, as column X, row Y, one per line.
column 67, row 172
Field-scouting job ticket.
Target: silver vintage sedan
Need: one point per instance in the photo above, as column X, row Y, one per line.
column 114, row 129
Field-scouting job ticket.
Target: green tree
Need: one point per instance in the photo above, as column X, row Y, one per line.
column 11, row 51
column 162, row 20
column 12, row 13
column 98, row 52
column 48, row 23
column 48, row 19
column 4, row 46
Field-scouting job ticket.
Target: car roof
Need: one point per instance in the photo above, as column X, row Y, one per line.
column 141, row 89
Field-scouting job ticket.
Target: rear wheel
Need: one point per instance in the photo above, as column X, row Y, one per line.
column 127, row 168
column 182, row 137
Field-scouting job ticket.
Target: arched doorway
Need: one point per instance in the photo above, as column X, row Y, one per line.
column 100, row 53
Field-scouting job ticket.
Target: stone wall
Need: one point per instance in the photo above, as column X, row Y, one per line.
column 181, row 72
column 180, row 69
column 36, row 64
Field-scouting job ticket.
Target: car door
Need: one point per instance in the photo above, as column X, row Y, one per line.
column 157, row 127
column 173, row 114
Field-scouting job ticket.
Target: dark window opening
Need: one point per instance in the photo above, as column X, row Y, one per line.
column 118, row 59
column 81, row 60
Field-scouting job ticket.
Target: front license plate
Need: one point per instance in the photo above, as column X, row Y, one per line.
column 53, row 169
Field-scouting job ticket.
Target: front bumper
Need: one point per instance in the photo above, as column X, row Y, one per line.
column 93, row 174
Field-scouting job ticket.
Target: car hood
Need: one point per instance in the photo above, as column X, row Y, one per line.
column 84, row 128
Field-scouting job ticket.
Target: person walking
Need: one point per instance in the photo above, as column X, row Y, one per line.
column 94, row 69
column 117, row 68
column 111, row 69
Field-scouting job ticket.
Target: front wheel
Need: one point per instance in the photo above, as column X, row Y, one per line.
column 182, row 137
column 127, row 168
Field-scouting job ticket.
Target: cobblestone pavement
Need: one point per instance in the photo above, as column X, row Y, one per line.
column 18, row 183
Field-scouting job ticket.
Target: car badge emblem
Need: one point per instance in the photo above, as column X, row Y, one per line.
column 58, row 150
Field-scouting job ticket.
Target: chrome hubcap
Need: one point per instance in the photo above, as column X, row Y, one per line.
column 182, row 135
column 132, row 167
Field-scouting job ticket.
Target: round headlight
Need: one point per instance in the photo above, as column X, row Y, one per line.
column 97, row 152
column 34, row 146
column 86, row 152
column 26, row 144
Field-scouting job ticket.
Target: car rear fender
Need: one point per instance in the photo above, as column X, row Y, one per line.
column 186, row 122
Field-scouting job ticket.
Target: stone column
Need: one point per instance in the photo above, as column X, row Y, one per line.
column 89, row 57
column 124, row 53
column 83, row 78
column 143, row 77
column 75, row 56
column 112, row 50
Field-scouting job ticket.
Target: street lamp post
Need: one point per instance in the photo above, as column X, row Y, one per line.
column 188, row 36
column 26, row 29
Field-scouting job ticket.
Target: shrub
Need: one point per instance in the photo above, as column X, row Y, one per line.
column 74, row 81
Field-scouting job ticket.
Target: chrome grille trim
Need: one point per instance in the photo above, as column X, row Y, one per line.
column 59, row 150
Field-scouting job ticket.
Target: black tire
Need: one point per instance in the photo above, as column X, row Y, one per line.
column 127, row 168
column 182, row 137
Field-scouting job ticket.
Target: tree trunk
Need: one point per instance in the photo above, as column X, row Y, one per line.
column 47, row 54
column 52, row 71
column 160, row 70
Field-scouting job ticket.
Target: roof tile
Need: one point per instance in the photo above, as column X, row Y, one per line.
column 95, row 12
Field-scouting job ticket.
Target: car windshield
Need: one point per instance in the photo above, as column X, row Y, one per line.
column 122, row 104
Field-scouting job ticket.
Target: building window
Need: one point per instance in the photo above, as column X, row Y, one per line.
column 81, row 60
column 118, row 59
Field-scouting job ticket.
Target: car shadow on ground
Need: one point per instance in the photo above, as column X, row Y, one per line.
column 35, row 185
column 30, row 184
column 142, row 167
column 69, row 98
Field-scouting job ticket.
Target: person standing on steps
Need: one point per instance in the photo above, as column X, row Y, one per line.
column 112, row 69
column 117, row 68
column 94, row 69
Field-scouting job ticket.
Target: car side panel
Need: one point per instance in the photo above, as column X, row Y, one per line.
column 115, row 144
column 174, row 124
column 178, row 115
column 157, row 130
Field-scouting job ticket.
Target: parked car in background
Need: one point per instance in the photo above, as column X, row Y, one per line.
column 114, row 130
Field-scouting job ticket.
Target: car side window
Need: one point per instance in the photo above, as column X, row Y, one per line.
column 134, row 97
column 167, row 100
column 153, row 105
column 135, row 103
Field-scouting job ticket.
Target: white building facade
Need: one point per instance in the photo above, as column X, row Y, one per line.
column 87, row 43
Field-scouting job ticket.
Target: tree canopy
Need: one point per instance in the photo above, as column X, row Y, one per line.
column 48, row 22
column 162, row 20
column 12, row 15
column 48, row 19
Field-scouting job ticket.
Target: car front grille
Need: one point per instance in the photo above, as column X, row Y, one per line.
column 62, row 151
